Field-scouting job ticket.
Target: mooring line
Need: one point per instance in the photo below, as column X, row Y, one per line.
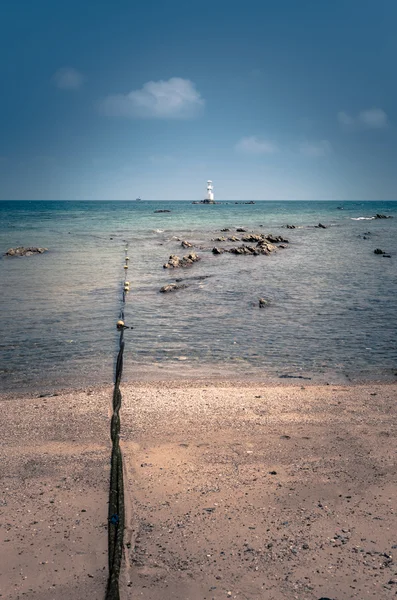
column 116, row 514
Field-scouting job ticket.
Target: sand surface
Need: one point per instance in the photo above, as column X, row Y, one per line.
column 233, row 491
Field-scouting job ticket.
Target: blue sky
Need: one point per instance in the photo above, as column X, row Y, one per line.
column 270, row 100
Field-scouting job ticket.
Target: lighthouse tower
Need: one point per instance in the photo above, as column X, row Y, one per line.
column 210, row 191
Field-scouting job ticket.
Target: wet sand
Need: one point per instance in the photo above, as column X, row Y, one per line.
column 233, row 490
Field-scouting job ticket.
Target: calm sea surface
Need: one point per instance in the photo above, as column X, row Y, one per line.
column 332, row 314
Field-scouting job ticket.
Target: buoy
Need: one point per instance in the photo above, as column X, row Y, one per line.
column 125, row 266
column 126, row 283
column 127, row 258
column 120, row 324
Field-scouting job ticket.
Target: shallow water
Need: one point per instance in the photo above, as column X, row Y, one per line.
column 332, row 313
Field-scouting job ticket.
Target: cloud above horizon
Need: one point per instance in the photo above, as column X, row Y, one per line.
column 315, row 149
column 68, row 78
column 255, row 145
column 371, row 118
column 176, row 98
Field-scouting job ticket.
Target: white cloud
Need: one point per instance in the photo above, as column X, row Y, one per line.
column 68, row 78
column 315, row 149
column 173, row 99
column 375, row 118
column 371, row 118
column 254, row 145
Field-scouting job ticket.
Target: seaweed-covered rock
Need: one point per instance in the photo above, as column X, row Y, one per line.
column 22, row 251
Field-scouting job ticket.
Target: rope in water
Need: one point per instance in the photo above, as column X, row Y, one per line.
column 116, row 491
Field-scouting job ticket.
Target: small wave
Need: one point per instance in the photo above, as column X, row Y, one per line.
column 362, row 218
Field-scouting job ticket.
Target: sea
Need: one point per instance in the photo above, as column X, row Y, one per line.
column 331, row 315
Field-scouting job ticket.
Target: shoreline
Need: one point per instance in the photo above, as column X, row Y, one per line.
column 263, row 491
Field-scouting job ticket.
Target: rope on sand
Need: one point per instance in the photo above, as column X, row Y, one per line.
column 116, row 515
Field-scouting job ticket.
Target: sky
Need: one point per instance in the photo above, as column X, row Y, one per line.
column 272, row 99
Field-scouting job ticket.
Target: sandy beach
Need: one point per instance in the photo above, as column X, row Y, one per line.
column 240, row 491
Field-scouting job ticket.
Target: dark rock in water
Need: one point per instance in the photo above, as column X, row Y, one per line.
column 162, row 210
column 293, row 377
column 241, row 229
column 282, row 246
column 186, row 244
column 321, row 226
column 263, row 302
column 220, row 239
column 252, row 237
column 172, row 287
column 290, row 227
column 379, row 251
column 275, row 239
column 21, row 251
column 379, row 216
column 386, row 256
column 217, row 250
column 226, row 229
column 174, row 262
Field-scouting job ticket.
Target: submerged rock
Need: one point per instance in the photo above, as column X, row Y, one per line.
column 241, row 229
column 186, row 244
column 22, row 251
column 321, row 226
column 216, row 250
column 290, row 227
column 379, row 251
column 162, row 210
column 172, row 287
column 379, row 216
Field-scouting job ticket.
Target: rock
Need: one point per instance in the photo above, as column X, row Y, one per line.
column 282, row 246
column 171, row 287
column 321, row 226
column 263, row 302
column 241, row 229
column 220, row 239
column 162, row 210
column 186, row 244
column 275, row 239
column 386, row 256
column 21, row 251
column 226, row 229
column 252, row 237
column 189, row 259
column 379, row 216
column 173, row 262
column 233, row 238
column 379, row 251
column 216, row 250
column 290, row 227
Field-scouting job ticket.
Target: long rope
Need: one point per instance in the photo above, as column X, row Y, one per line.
column 116, row 515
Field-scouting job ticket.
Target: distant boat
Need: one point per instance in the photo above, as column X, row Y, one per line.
column 138, row 199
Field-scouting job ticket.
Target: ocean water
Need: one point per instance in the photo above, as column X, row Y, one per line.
column 332, row 314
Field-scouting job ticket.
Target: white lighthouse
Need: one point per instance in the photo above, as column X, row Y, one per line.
column 210, row 191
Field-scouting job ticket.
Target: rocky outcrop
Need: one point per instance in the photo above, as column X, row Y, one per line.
column 290, row 226
column 216, row 250
column 252, row 237
column 321, row 226
column 186, row 244
column 241, row 229
column 220, row 239
column 379, row 216
column 174, row 262
column 172, row 287
column 263, row 303
column 22, row 251
column 233, row 238
column 379, row 251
